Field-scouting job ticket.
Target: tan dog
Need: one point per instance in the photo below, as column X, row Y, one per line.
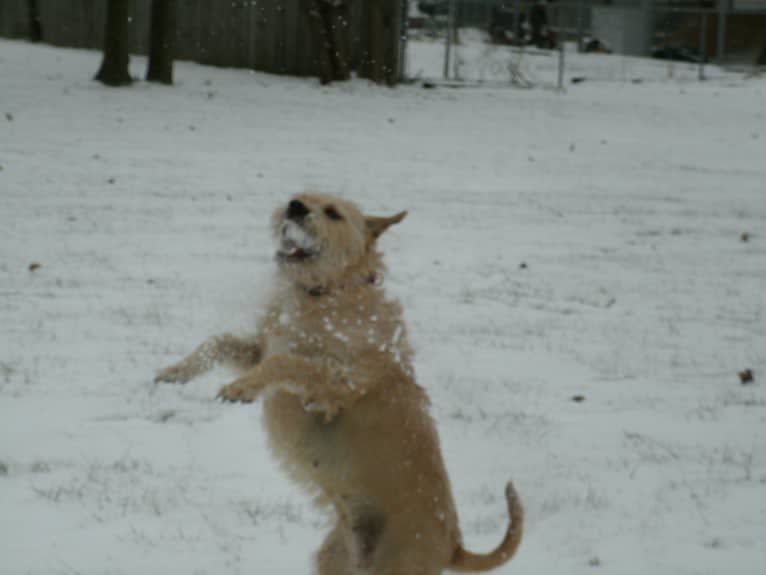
column 342, row 410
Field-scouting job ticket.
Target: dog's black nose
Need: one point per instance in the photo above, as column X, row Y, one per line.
column 296, row 210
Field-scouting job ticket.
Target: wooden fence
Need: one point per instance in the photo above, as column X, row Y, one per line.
column 275, row 36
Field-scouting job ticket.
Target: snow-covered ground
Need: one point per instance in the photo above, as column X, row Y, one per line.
column 557, row 245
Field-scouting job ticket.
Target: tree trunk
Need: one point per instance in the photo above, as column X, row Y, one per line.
column 380, row 54
column 114, row 67
column 331, row 29
column 35, row 25
column 162, row 41
column 392, row 26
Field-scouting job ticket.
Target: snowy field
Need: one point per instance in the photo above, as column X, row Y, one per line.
column 583, row 245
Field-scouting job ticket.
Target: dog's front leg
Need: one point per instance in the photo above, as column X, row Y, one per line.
column 321, row 384
column 244, row 389
column 244, row 352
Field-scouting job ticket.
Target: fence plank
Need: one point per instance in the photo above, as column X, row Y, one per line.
column 13, row 20
column 268, row 35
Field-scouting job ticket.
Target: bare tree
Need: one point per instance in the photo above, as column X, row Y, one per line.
column 114, row 66
column 162, row 42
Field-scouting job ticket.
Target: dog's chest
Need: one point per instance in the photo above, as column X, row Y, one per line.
column 284, row 336
column 294, row 330
column 321, row 329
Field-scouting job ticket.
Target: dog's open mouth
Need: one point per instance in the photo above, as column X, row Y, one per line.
column 295, row 244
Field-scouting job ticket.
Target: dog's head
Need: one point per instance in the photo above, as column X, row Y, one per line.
column 324, row 241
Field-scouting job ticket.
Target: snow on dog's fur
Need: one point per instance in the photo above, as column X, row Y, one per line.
column 342, row 410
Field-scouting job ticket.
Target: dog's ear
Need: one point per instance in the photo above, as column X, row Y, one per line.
column 377, row 225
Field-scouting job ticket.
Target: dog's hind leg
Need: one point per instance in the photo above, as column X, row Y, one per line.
column 332, row 558
column 366, row 531
column 347, row 552
column 242, row 352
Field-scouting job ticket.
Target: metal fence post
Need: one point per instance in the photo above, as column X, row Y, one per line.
column 404, row 22
column 703, row 45
column 448, row 39
column 561, row 67
column 648, row 32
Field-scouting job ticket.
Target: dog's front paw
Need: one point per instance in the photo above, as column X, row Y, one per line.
column 237, row 392
column 330, row 408
column 177, row 373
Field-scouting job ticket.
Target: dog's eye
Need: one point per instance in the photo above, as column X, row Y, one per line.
column 332, row 213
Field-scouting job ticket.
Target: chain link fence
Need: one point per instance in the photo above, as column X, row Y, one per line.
column 534, row 43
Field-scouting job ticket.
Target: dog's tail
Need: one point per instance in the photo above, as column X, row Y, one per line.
column 464, row 561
